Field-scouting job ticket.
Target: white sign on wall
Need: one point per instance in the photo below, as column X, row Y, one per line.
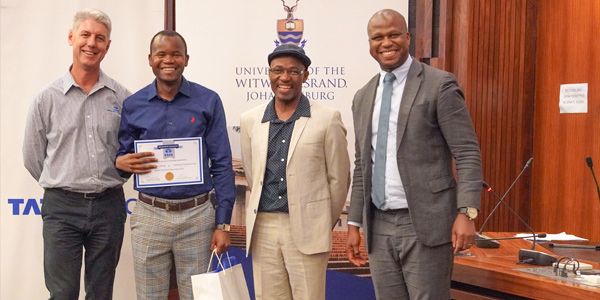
column 573, row 98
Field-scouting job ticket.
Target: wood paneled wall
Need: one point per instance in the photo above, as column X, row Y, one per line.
column 564, row 196
column 498, row 81
column 510, row 58
column 490, row 46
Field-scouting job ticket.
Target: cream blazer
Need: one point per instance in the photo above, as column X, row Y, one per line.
column 318, row 173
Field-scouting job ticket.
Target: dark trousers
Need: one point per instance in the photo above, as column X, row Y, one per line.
column 402, row 267
column 72, row 223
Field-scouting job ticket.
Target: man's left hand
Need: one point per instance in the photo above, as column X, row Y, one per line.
column 220, row 241
column 463, row 233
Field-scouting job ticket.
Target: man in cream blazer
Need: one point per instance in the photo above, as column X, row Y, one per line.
column 295, row 158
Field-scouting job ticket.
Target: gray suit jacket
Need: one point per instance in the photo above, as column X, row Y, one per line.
column 434, row 126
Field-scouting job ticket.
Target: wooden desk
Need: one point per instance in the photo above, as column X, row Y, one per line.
column 493, row 269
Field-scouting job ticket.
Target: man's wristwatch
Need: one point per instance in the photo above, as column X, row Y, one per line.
column 470, row 212
column 224, row 227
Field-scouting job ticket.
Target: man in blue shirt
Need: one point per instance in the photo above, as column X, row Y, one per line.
column 176, row 224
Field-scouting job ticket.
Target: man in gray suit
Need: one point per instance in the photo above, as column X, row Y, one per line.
column 413, row 212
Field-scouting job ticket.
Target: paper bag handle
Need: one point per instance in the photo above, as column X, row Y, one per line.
column 214, row 253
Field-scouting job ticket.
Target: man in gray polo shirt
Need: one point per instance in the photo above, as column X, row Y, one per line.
column 70, row 148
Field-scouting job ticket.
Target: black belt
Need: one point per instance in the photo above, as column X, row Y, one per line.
column 198, row 200
column 88, row 196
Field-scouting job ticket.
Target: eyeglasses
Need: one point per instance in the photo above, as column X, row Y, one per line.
column 291, row 72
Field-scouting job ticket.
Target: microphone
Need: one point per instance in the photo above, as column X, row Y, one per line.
column 535, row 258
column 486, row 242
column 590, row 164
column 529, row 256
column 540, row 235
column 525, row 256
column 483, row 243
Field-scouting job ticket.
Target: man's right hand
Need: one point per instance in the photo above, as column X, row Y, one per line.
column 138, row 163
column 353, row 246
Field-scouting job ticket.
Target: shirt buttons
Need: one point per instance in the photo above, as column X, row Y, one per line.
column 283, row 159
column 279, row 197
column 281, row 179
column 170, row 123
column 90, row 136
column 283, row 141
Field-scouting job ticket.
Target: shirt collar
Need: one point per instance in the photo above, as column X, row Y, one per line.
column 401, row 72
column 103, row 81
column 302, row 110
column 185, row 89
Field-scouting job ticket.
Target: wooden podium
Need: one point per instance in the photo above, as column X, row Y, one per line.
column 490, row 274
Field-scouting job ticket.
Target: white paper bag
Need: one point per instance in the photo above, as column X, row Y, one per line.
column 227, row 284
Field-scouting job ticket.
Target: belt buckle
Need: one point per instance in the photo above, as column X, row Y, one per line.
column 172, row 207
column 85, row 196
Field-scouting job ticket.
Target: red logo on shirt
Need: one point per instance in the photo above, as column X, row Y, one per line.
column 193, row 119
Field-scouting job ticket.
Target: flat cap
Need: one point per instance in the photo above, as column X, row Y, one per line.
column 290, row 50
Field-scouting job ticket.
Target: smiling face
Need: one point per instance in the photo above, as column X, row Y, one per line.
column 388, row 39
column 287, row 86
column 168, row 59
column 90, row 43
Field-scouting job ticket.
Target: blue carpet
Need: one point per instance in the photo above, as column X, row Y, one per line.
column 340, row 286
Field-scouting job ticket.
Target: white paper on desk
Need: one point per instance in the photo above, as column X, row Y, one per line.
column 553, row 237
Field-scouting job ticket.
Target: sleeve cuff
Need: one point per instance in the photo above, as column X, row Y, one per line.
column 359, row 225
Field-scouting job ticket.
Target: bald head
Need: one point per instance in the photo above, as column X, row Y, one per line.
column 387, row 14
column 389, row 39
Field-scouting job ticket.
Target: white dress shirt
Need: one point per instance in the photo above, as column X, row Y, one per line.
column 395, row 196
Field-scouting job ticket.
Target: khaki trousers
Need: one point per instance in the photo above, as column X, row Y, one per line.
column 281, row 271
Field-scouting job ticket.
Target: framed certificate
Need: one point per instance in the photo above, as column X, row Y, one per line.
column 180, row 162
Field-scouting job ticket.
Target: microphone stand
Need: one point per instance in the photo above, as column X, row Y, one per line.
column 542, row 235
column 501, row 200
column 590, row 164
column 525, row 256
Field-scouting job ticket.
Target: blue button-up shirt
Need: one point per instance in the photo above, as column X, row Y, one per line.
column 195, row 111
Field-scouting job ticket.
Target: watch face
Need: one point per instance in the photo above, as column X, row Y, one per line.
column 472, row 212
column 224, row 227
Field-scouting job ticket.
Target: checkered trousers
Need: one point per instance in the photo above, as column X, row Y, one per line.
column 160, row 238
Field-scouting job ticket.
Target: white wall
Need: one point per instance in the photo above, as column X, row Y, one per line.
column 221, row 36
column 35, row 51
column 229, row 34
